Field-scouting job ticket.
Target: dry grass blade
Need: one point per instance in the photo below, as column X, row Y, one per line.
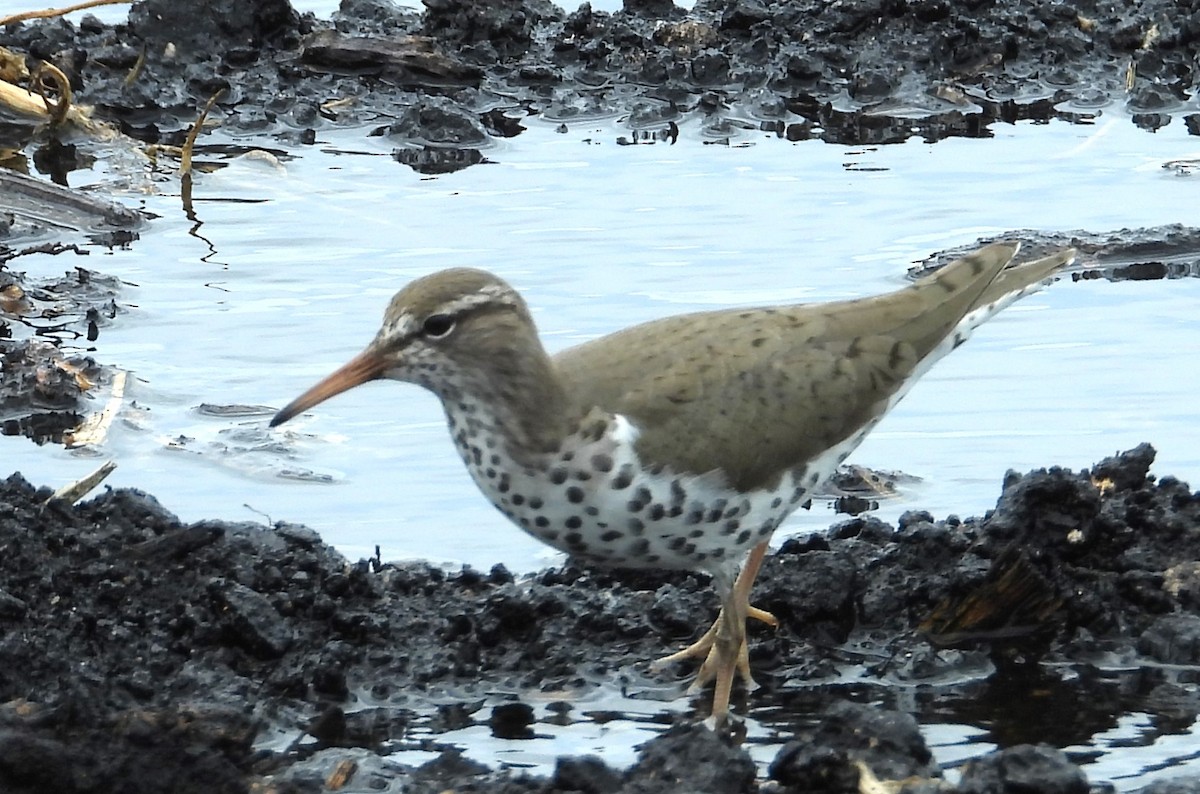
column 57, row 108
column 136, row 70
column 190, row 143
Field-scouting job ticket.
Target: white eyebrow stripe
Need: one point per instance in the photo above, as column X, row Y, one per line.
column 406, row 323
column 492, row 293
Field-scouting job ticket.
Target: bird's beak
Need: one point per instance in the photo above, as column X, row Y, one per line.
column 367, row 365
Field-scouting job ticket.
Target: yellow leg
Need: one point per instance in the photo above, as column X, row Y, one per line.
column 723, row 646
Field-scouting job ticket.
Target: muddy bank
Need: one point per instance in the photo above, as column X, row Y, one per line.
column 229, row 656
column 444, row 81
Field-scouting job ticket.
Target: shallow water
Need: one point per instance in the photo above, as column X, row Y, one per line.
column 288, row 271
column 291, row 266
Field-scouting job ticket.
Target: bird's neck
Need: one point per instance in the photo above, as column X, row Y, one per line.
column 518, row 398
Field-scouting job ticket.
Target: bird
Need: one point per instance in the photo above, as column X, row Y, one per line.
column 681, row 443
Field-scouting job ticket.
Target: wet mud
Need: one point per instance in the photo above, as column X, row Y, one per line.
column 134, row 647
column 141, row 653
column 444, row 81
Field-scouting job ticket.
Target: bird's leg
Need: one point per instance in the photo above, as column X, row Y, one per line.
column 723, row 646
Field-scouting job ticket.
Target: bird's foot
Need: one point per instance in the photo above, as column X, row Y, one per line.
column 705, row 648
column 723, row 647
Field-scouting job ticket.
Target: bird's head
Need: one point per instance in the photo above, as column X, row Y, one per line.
column 461, row 333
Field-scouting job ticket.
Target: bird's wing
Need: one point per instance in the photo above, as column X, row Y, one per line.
column 758, row 392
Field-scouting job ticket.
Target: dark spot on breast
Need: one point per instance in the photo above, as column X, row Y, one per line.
column 643, row 495
column 542, row 521
column 797, row 495
column 575, row 494
column 597, row 430
column 491, row 474
column 675, row 512
column 477, row 455
column 744, row 536
column 767, row 528
column 676, row 544
column 624, row 478
column 657, row 512
column 573, row 522
column 582, row 475
column 776, row 502
column 495, row 459
column 567, row 456
column 573, row 538
column 636, row 526
column 592, row 510
column 696, row 533
column 678, row 494
column 634, row 505
column 536, row 503
column 518, row 499
column 713, row 516
column 717, row 553
column 558, row 476
column 730, row 527
column 550, row 535
column 639, row 547
column 694, row 517
column 602, row 462
column 611, row 535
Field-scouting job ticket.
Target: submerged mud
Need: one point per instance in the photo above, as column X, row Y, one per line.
column 134, row 647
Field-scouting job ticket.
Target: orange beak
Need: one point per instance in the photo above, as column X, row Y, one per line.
column 366, row 366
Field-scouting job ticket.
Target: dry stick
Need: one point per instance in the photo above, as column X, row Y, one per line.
column 94, row 430
column 57, row 12
column 72, row 493
column 21, row 101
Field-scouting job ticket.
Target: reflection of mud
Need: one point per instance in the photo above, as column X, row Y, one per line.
column 40, row 395
column 41, row 389
column 155, row 651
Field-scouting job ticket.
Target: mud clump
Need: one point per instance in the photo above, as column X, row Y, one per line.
column 136, row 647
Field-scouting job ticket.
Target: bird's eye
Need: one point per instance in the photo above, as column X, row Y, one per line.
column 437, row 325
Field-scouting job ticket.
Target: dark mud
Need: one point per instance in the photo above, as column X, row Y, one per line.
column 137, row 648
column 444, row 81
column 141, row 654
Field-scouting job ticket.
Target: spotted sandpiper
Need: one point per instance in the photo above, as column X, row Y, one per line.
column 680, row 443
